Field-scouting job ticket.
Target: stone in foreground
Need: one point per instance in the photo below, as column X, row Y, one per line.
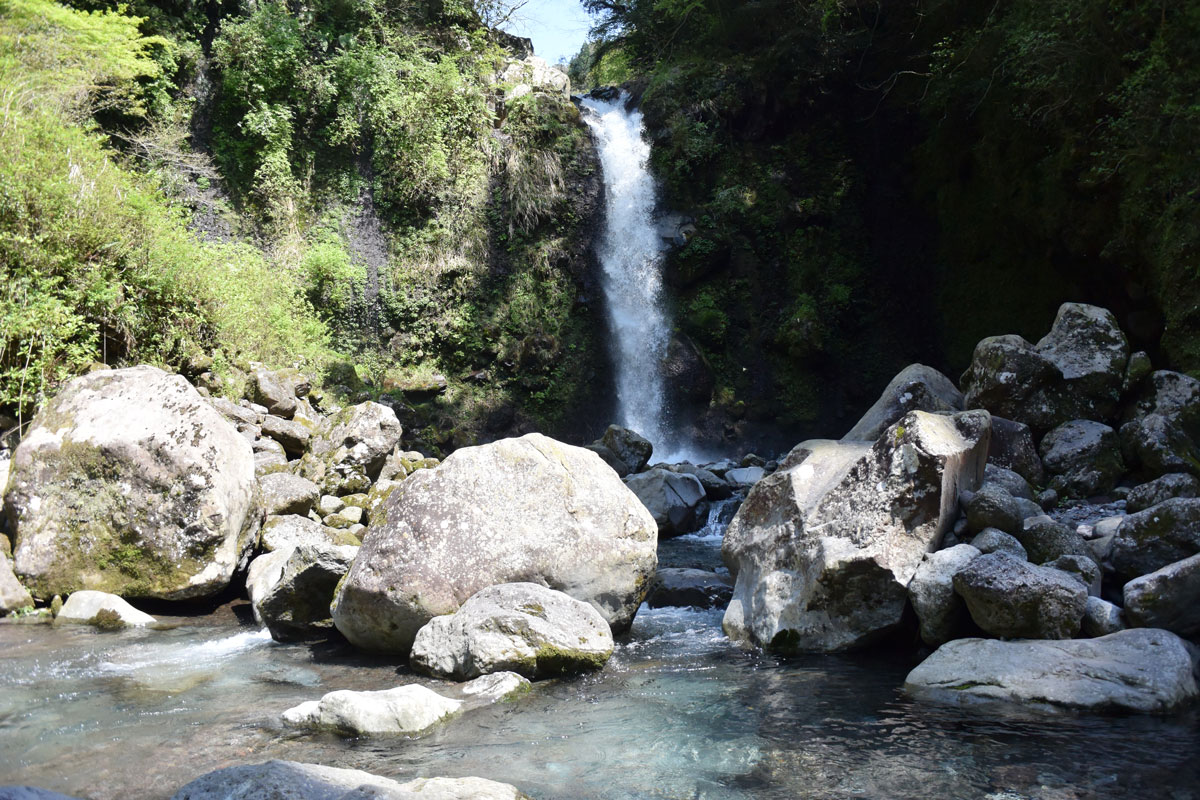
column 514, row 627
column 102, row 610
column 528, row 509
column 277, row 780
column 823, row 549
column 1013, row 598
column 130, row 482
column 406, row 710
column 1146, row 670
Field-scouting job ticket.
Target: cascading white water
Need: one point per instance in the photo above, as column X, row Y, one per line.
column 631, row 253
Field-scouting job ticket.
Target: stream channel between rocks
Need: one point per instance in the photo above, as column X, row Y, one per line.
column 679, row 712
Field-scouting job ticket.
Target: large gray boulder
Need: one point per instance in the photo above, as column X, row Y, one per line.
column 528, row 509
column 409, row 709
column 633, row 449
column 916, row 388
column 1150, row 540
column 1172, row 395
column 348, row 454
column 1082, row 457
column 296, row 606
column 1015, row 599
column 514, row 627
column 824, row 548
column 1075, row 372
column 1144, row 670
column 1156, row 445
column 1161, row 489
column 1166, row 598
column 940, row 612
column 291, row 780
column 676, row 501
column 129, row 482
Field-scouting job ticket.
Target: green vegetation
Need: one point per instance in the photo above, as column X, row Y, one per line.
column 877, row 185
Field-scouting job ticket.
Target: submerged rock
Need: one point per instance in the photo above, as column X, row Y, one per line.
column 528, row 509
column 129, row 482
column 409, row 709
column 1143, row 670
column 102, row 610
column 1013, row 598
column 514, row 627
column 916, row 388
column 823, row 549
column 291, row 780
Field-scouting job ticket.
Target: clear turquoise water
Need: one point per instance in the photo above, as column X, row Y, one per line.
column 677, row 713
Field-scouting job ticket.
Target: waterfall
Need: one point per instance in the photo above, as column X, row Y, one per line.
column 630, row 253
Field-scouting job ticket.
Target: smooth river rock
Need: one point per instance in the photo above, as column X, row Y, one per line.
column 517, row 510
column 514, row 627
column 409, row 709
column 676, row 501
column 916, row 388
column 129, row 482
column 823, row 549
column 291, row 780
column 103, row 610
column 1144, row 669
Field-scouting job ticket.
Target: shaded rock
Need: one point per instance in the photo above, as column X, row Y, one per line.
column 13, row 595
column 1150, row 540
column 102, row 610
column 1015, row 599
column 1172, row 395
column 1047, row 499
column 610, row 458
column 1155, row 445
column 715, row 487
column 1011, row 481
column 686, row 370
column 993, row 540
column 263, row 574
column 514, row 627
column 1138, row 369
column 1134, row 670
column 128, row 481
column 409, row 709
column 675, row 586
column 1075, row 372
column 285, row 493
column 823, row 549
column 1083, row 567
column 274, row 390
column 1161, row 489
column 347, row 455
column 993, row 507
column 1082, row 457
column 1166, row 598
column 1044, row 540
column 528, row 509
column 916, row 388
column 630, row 447
column 296, row 606
column 940, row 611
column 1101, row 618
column 291, row 435
column 676, row 501
column 291, row 780
column 1011, row 447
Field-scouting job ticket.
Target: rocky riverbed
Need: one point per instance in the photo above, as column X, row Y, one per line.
column 932, row 604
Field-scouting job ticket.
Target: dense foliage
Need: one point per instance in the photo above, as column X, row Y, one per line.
column 916, row 176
